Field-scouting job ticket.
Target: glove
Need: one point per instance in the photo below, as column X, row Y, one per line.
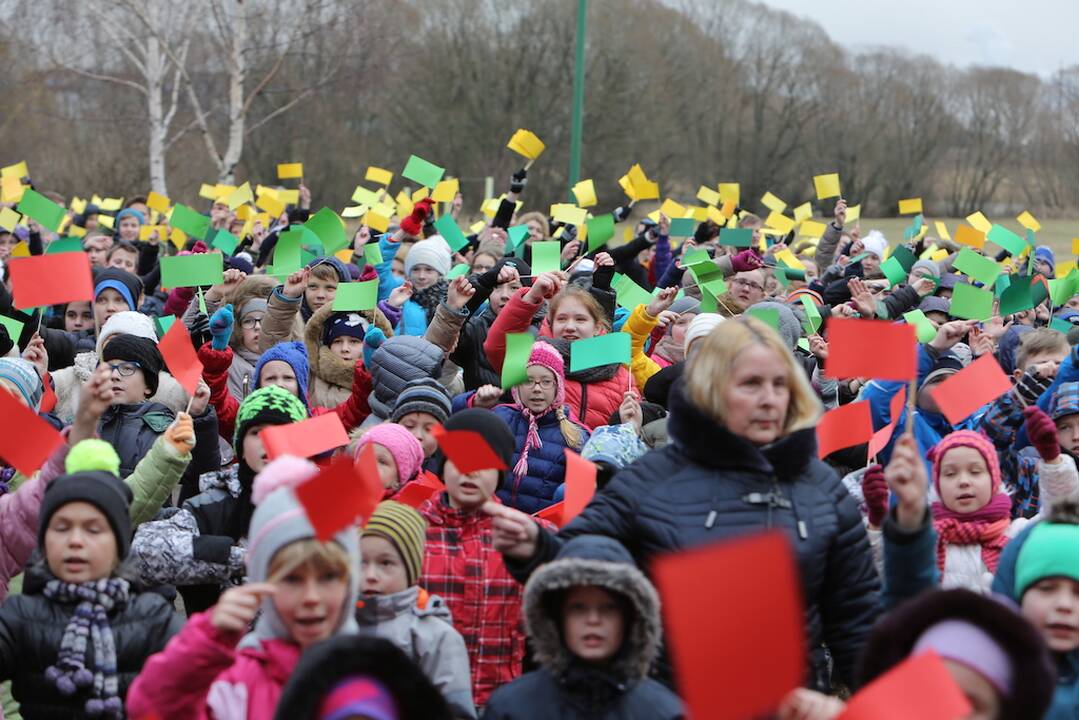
column 413, row 224
column 875, row 491
column 518, row 181
column 1042, row 432
column 198, row 325
column 181, row 434
column 372, row 339
column 221, row 327
column 1030, row 387
column 745, row 261
column 620, row 213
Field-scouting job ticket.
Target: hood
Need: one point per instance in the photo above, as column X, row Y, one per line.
column 374, row 609
column 397, row 361
column 603, row 562
column 295, row 354
column 1065, row 400
column 324, row 364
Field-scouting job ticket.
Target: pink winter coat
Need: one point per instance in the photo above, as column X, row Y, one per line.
column 201, row 675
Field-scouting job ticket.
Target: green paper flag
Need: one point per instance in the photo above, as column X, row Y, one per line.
column 356, row 296
column 683, row 227
column 922, row 325
column 42, row 209
column 893, row 270
column 1005, row 238
column 545, row 256
column 225, row 241
column 447, row 228
column 202, row 303
column 813, row 320
column 164, row 323
column 769, row 316
column 191, row 270
column 984, row 270
column 329, row 228
column 66, row 244
column 600, row 230
column 695, row 257
column 736, row 237
column 600, row 350
column 515, row 362
column 457, row 271
column 971, row 303
column 286, row 253
column 372, row 254
column 785, row 274
column 1023, row 294
column 423, row 172
column 195, row 224
column 1062, row 289
column 1060, row 325
column 804, row 344
column 515, row 236
column 14, row 327
column 1003, row 283
column 628, row 293
column 904, row 257
column 708, row 301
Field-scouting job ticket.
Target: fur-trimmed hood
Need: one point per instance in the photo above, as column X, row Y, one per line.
column 602, row 562
column 324, row 364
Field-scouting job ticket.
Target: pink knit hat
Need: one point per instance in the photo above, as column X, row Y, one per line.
column 967, row 438
column 544, row 355
column 406, row 449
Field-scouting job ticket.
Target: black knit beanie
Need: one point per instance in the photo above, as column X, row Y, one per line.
column 137, row 349
column 492, row 428
column 101, row 489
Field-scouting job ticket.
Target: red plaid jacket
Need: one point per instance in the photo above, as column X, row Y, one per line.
column 461, row 566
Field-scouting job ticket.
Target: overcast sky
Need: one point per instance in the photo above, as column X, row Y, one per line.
column 1031, row 35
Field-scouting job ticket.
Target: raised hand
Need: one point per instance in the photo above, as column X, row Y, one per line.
column 513, row 533
column 238, row 606
column 487, row 396
column 908, row 481
column 400, row 294
column 296, row 283
column 545, row 287
column 459, row 292
column 661, row 302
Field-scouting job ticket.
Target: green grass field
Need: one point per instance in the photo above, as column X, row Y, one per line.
column 1057, row 234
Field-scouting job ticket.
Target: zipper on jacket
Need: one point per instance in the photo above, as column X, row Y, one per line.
column 246, row 384
column 583, row 414
column 775, row 499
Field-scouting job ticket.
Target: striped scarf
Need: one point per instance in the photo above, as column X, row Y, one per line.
column 987, row 530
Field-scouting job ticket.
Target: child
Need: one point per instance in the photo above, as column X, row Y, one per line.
column 198, row 547
column 74, row 641
column 300, row 591
column 398, row 453
column 461, row 565
column 394, row 607
column 335, row 345
column 593, row 619
column 305, row 290
column 421, row 406
column 669, row 315
column 394, row 363
column 542, row 430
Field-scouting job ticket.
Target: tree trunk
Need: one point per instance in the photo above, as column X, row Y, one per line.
column 237, row 77
column 155, row 85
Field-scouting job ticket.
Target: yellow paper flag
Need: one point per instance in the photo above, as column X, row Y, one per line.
column 287, row 171
column 708, row 196
column 239, row 196
column 780, row 222
column 17, row 171
column 942, row 230
column 375, row 221
column 446, row 190
column 672, row 209
column 354, row 211
column 478, row 225
column 270, row 204
column 716, row 216
column 910, row 206
column 20, row 250
column 827, row 186
column 207, row 191
column 929, row 252
column 9, row 218
column 404, row 204
column 11, row 189
column 527, row 144
column 289, row 197
column 1027, row 220
column 938, row 255
column 178, row 238
column 1065, row 267
column 76, row 231
column 803, row 212
column 106, row 220
column 585, row 192
column 569, row 214
column 157, row 202
column 787, row 258
column 979, row 221
column 245, row 212
column 420, row 194
column 853, row 213
column 1075, row 243
column 363, row 196
column 643, row 188
column 728, row 209
column 966, row 235
column 729, row 192
column 812, row 229
column 378, row 175
column 773, row 203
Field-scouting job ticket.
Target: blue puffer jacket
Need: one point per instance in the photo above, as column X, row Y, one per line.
column 546, row 464
column 413, row 316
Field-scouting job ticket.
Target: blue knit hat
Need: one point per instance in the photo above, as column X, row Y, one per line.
column 1045, row 254
column 344, row 323
column 293, row 353
column 130, row 212
column 23, row 375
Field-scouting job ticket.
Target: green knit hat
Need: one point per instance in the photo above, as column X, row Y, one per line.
column 269, row 405
column 405, row 529
column 1051, row 550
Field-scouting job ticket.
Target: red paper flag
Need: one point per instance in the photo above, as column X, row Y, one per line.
column 468, row 450
column 306, row 438
column 552, row 514
column 341, row 493
column 26, row 441
column 50, row 279
column 919, row 687
column 180, row 357
column 843, row 427
column 580, row 485
column 872, row 349
column 881, row 437
column 978, row 383
column 48, row 399
column 415, row 494
column 742, row 632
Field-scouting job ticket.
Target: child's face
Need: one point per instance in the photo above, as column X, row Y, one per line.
column 423, row 276
column 1068, row 433
column 78, row 316
column 538, row 392
column 982, row 695
column 253, row 452
column 1046, row 363
column 502, row 294
column 1052, row 606
column 281, row 374
column 420, row 425
column 79, row 544
column 383, row 570
column 467, row 492
column 319, row 292
column 251, row 327
column 592, row 623
column 128, row 382
column 123, row 259
column 678, row 330
column 573, row 321
column 347, row 347
column 310, row 603
column 387, row 467
column 397, row 267
column 10, row 388
column 129, row 229
column 107, row 304
column 965, row 484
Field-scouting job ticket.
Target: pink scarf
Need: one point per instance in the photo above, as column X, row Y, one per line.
column 986, row 527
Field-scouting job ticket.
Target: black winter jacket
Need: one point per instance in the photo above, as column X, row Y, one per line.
column 665, row 500
column 31, row 627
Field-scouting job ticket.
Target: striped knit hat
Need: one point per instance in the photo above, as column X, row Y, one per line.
column 405, row 529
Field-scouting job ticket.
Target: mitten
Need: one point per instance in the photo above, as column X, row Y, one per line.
column 221, row 327
column 620, row 213
column 518, row 181
column 372, row 339
column 413, row 224
column 745, row 261
column 1030, row 387
column 181, row 434
column 875, row 492
column 1042, row 432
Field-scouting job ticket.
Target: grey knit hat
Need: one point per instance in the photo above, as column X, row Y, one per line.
column 424, row 395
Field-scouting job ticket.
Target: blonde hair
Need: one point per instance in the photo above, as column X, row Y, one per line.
column 571, row 431
column 714, row 359
column 322, row 557
column 591, row 305
column 325, row 272
column 1038, row 342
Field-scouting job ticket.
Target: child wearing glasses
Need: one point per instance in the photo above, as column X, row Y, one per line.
column 541, row 427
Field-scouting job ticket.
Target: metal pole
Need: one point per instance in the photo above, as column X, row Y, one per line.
column 578, row 100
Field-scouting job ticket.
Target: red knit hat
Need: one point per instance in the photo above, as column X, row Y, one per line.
column 971, row 439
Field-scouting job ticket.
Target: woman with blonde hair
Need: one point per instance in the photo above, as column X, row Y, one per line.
column 742, row 458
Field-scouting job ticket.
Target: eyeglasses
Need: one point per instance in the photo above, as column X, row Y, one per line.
column 545, row 383
column 747, row 283
column 125, row 369
column 250, row 322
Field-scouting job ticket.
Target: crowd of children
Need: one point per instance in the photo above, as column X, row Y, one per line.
column 161, row 564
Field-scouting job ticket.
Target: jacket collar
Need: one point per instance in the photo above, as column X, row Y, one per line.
column 708, row 443
column 374, row 609
column 439, row 512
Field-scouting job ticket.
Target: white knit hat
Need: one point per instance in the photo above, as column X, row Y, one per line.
column 700, row 326
column 875, row 242
column 433, row 252
column 127, row 322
